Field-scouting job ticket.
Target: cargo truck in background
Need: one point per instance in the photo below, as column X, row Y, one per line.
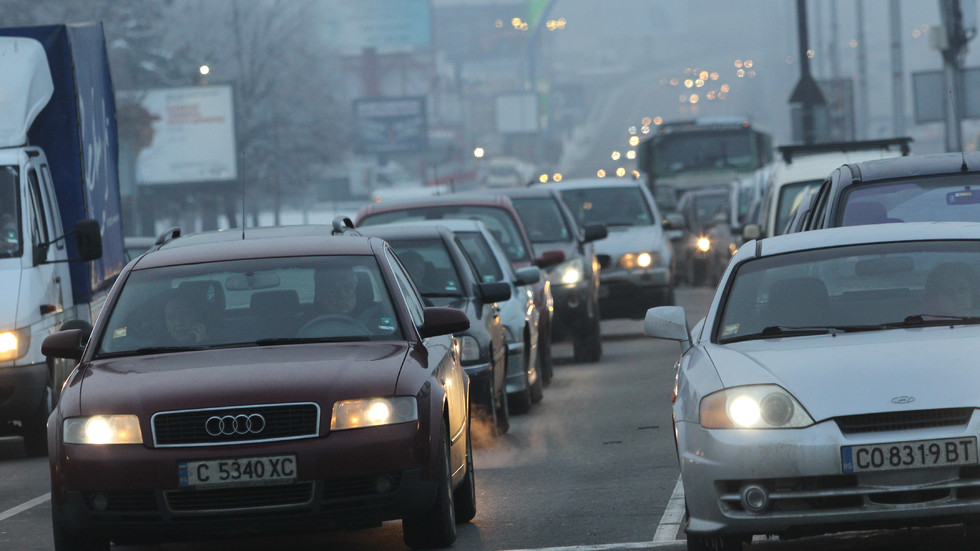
column 61, row 245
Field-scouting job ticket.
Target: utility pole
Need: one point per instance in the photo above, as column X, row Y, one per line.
column 864, row 104
column 952, row 43
column 898, row 83
column 807, row 94
column 833, row 53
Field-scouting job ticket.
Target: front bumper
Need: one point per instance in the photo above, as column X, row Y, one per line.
column 22, row 389
column 630, row 293
column 808, row 492
column 346, row 479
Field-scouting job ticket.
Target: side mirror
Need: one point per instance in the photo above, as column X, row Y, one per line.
column 674, row 221
column 595, row 232
column 88, row 238
column 494, row 292
column 668, row 322
column 64, row 344
column 529, row 275
column 751, row 231
column 550, row 258
column 437, row 321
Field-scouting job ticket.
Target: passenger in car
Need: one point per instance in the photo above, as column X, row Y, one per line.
column 950, row 288
column 183, row 323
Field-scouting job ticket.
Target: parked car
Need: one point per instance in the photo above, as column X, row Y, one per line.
column 519, row 314
column 502, row 219
column 707, row 242
column 801, row 169
column 574, row 282
column 444, row 276
column 831, row 386
column 901, row 189
column 636, row 259
column 241, row 384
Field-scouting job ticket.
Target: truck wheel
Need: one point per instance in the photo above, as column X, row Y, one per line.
column 436, row 527
column 35, row 429
column 587, row 346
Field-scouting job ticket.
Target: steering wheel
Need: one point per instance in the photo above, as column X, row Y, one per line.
column 333, row 325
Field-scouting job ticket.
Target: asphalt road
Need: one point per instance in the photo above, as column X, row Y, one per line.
column 591, row 468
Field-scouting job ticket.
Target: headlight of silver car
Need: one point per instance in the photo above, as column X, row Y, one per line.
column 469, row 349
column 103, row 429
column 568, row 273
column 373, row 412
column 639, row 260
column 753, row 407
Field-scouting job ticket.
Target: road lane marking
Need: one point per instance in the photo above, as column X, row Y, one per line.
column 670, row 523
column 24, row 506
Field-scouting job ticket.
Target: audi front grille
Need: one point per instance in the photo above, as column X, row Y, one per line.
column 235, row 425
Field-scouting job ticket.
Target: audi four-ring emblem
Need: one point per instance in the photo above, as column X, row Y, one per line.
column 240, row 424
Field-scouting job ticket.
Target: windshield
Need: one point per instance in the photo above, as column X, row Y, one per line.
column 542, row 220
column 790, row 196
column 251, row 303
column 686, row 151
column 613, row 206
column 10, row 238
column 709, row 205
column 936, row 199
column 852, row 288
column 500, row 222
column 431, row 267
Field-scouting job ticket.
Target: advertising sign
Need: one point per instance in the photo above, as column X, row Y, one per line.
column 193, row 136
column 391, row 125
column 353, row 25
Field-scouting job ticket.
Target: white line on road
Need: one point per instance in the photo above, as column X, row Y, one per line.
column 670, row 523
column 24, row 506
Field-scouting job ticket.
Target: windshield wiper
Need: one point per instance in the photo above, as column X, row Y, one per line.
column 779, row 331
column 926, row 320
column 305, row 340
column 146, row 351
column 440, row 295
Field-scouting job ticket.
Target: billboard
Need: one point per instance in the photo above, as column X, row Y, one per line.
column 354, row 25
column 517, row 113
column 391, row 125
column 193, row 135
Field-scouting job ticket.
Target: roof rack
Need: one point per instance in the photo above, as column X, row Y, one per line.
column 790, row 151
column 167, row 236
column 342, row 225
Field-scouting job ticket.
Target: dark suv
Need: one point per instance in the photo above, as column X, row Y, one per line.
column 574, row 282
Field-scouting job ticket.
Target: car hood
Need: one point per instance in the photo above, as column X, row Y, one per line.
column 859, row 373
column 322, row 373
column 626, row 239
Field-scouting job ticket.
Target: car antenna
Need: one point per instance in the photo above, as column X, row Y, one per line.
column 242, row 180
column 963, row 167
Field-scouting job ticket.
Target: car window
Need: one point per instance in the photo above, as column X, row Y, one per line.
column 613, row 206
column 936, row 199
column 416, row 308
column 10, row 238
column 500, row 221
column 247, row 302
column 487, row 267
column 790, row 197
column 865, row 285
column 542, row 220
column 430, row 266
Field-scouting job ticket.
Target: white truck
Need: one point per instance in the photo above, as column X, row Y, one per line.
column 61, row 243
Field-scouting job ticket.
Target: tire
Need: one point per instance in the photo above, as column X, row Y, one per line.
column 713, row 543
column 70, row 540
column 436, row 527
column 35, row 429
column 546, row 366
column 464, row 498
column 536, row 390
column 588, row 343
column 502, row 411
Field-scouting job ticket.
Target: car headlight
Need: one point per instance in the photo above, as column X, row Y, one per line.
column 469, row 349
column 639, row 260
column 704, row 244
column 753, row 407
column 103, row 429
column 14, row 344
column 373, row 412
column 568, row 273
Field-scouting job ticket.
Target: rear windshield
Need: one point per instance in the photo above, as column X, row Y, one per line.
column 252, row 302
column 431, row 267
column 542, row 220
column 500, row 221
column 936, row 199
column 487, row 267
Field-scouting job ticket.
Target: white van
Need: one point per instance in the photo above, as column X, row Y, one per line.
column 802, row 168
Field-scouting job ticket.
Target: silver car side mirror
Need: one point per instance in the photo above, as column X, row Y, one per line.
column 668, row 322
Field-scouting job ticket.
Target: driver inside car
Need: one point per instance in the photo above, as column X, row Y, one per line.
column 342, row 294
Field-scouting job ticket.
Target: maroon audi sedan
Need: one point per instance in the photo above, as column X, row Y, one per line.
column 278, row 381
